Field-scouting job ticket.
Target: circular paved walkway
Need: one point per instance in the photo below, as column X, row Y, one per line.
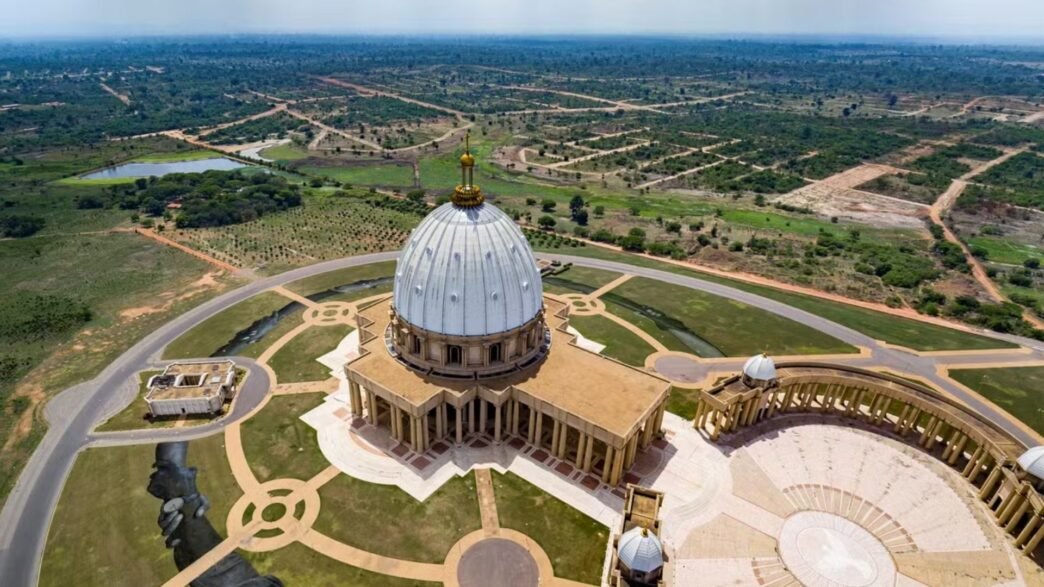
column 496, row 561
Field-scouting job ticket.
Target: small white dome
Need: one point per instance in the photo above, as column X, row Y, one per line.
column 1032, row 461
column 467, row 271
column 760, row 368
column 640, row 550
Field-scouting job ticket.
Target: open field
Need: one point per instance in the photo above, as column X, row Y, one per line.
column 383, row 174
column 396, row 524
column 332, row 279
column 104, row 531
column 574, row 542
column 278, row 444
column 578, row 280
column 892, row 329
column 296, row 362
column 732, row 328
column 620, row 343
column 100, row 310
column 299, row 565
column 1018, row 390
column 204, row 339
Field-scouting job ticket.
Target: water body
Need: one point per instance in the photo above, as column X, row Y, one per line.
column 677, row 329
column 259, row 329
column 161, row 169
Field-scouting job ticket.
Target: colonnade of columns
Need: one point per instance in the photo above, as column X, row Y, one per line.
column 975, row 450
column 574, row 444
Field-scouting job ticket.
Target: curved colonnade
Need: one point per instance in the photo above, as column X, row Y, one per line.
column 985, row 455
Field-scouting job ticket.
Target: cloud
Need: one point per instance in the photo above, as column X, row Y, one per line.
column 927, row 18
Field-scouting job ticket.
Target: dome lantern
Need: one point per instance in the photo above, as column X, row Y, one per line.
column 759, row 371
column 467, row 194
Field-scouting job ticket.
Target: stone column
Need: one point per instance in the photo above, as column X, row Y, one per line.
column 1028, row 530
column 460, row 427
column 440, row 431
column 496, row 423
column 355, row 398
column 481, row 405
column 1034, row 542
column 588, row 454
column 371, row 399
column 554, row 437
column 516, row 409
column 563, row 441
column 581, row 444
column 991, row 482
column 1017, row 516
column 539, row 429
column 632, row 450
column 607, row 468
column 618, row 460
column 396, row 423
column 425, row 435
column 471, row 416
column 413, row 433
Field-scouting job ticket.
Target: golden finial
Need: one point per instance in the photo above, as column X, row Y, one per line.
column 467, row 193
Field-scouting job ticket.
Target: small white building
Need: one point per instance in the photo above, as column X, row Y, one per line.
column 191, row 388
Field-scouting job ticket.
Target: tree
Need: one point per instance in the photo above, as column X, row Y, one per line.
column 674, row 227
column 1031, row 263
column 576, row 203
column 415, row 195
column 547, row 222
column 634, row 243
column 580, row 217
column 20, row 225
column 599, row 211
column 547, row 205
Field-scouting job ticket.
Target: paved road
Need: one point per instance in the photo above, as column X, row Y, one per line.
column 72, row 415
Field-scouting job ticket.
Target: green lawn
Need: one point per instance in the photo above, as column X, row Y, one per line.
column 104, row 531
column 379, row 174
column 574, row 542
column 191, row 155
column 101, row 181
column 297, row 564
column 332, row 279
column 278, row 444
column 734, row 328
column 808, row 226
column 133, row 416
column 682, row 402
column 386, row 520
column 893, row 329
column 999, row 250
column 578, row 280
column 620, row 343
column 285, row 152
column 296, row 362
column 1019, row 390
column 210, row 335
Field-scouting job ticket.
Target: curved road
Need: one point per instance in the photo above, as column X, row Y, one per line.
column 73, row 414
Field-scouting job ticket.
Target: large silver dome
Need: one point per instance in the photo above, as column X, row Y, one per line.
column 467, row 271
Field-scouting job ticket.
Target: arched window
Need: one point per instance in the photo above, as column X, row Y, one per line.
column 496, row 353
column 415, row 344
column 453, row 355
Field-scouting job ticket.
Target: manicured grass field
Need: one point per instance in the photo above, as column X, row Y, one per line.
column 893, row 329
column 190, row 155
column 682, row 402
column 285, row 152
column 386, row 520
column 574, row 542
column 332, row 279
column 620, row 343
column 296, row 362
column 278, row 444
column 99, row 182
column 380, row 174
column 297, row 564
column 210, row 335
column 1019, row 390
column 578, row 280
column 133, row 416
column 736, row 329
column 104, row 530
column 1001, row 250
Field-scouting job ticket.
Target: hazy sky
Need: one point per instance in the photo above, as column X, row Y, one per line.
column 992, row 19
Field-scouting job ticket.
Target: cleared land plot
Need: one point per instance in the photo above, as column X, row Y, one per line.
column 380, row 174
column 620, row 343
column 905, row 186
column 104, row 530
column 296, row 362
column 285, row 152
column 386, row 520
column 1018, row 390
column 278, row 444
column 1001, row 250
column 734, row 328
column 574, row 542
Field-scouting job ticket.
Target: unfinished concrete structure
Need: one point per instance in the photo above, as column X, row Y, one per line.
column 191, row 388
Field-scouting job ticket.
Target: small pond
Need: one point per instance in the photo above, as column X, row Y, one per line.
column 161, row 169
